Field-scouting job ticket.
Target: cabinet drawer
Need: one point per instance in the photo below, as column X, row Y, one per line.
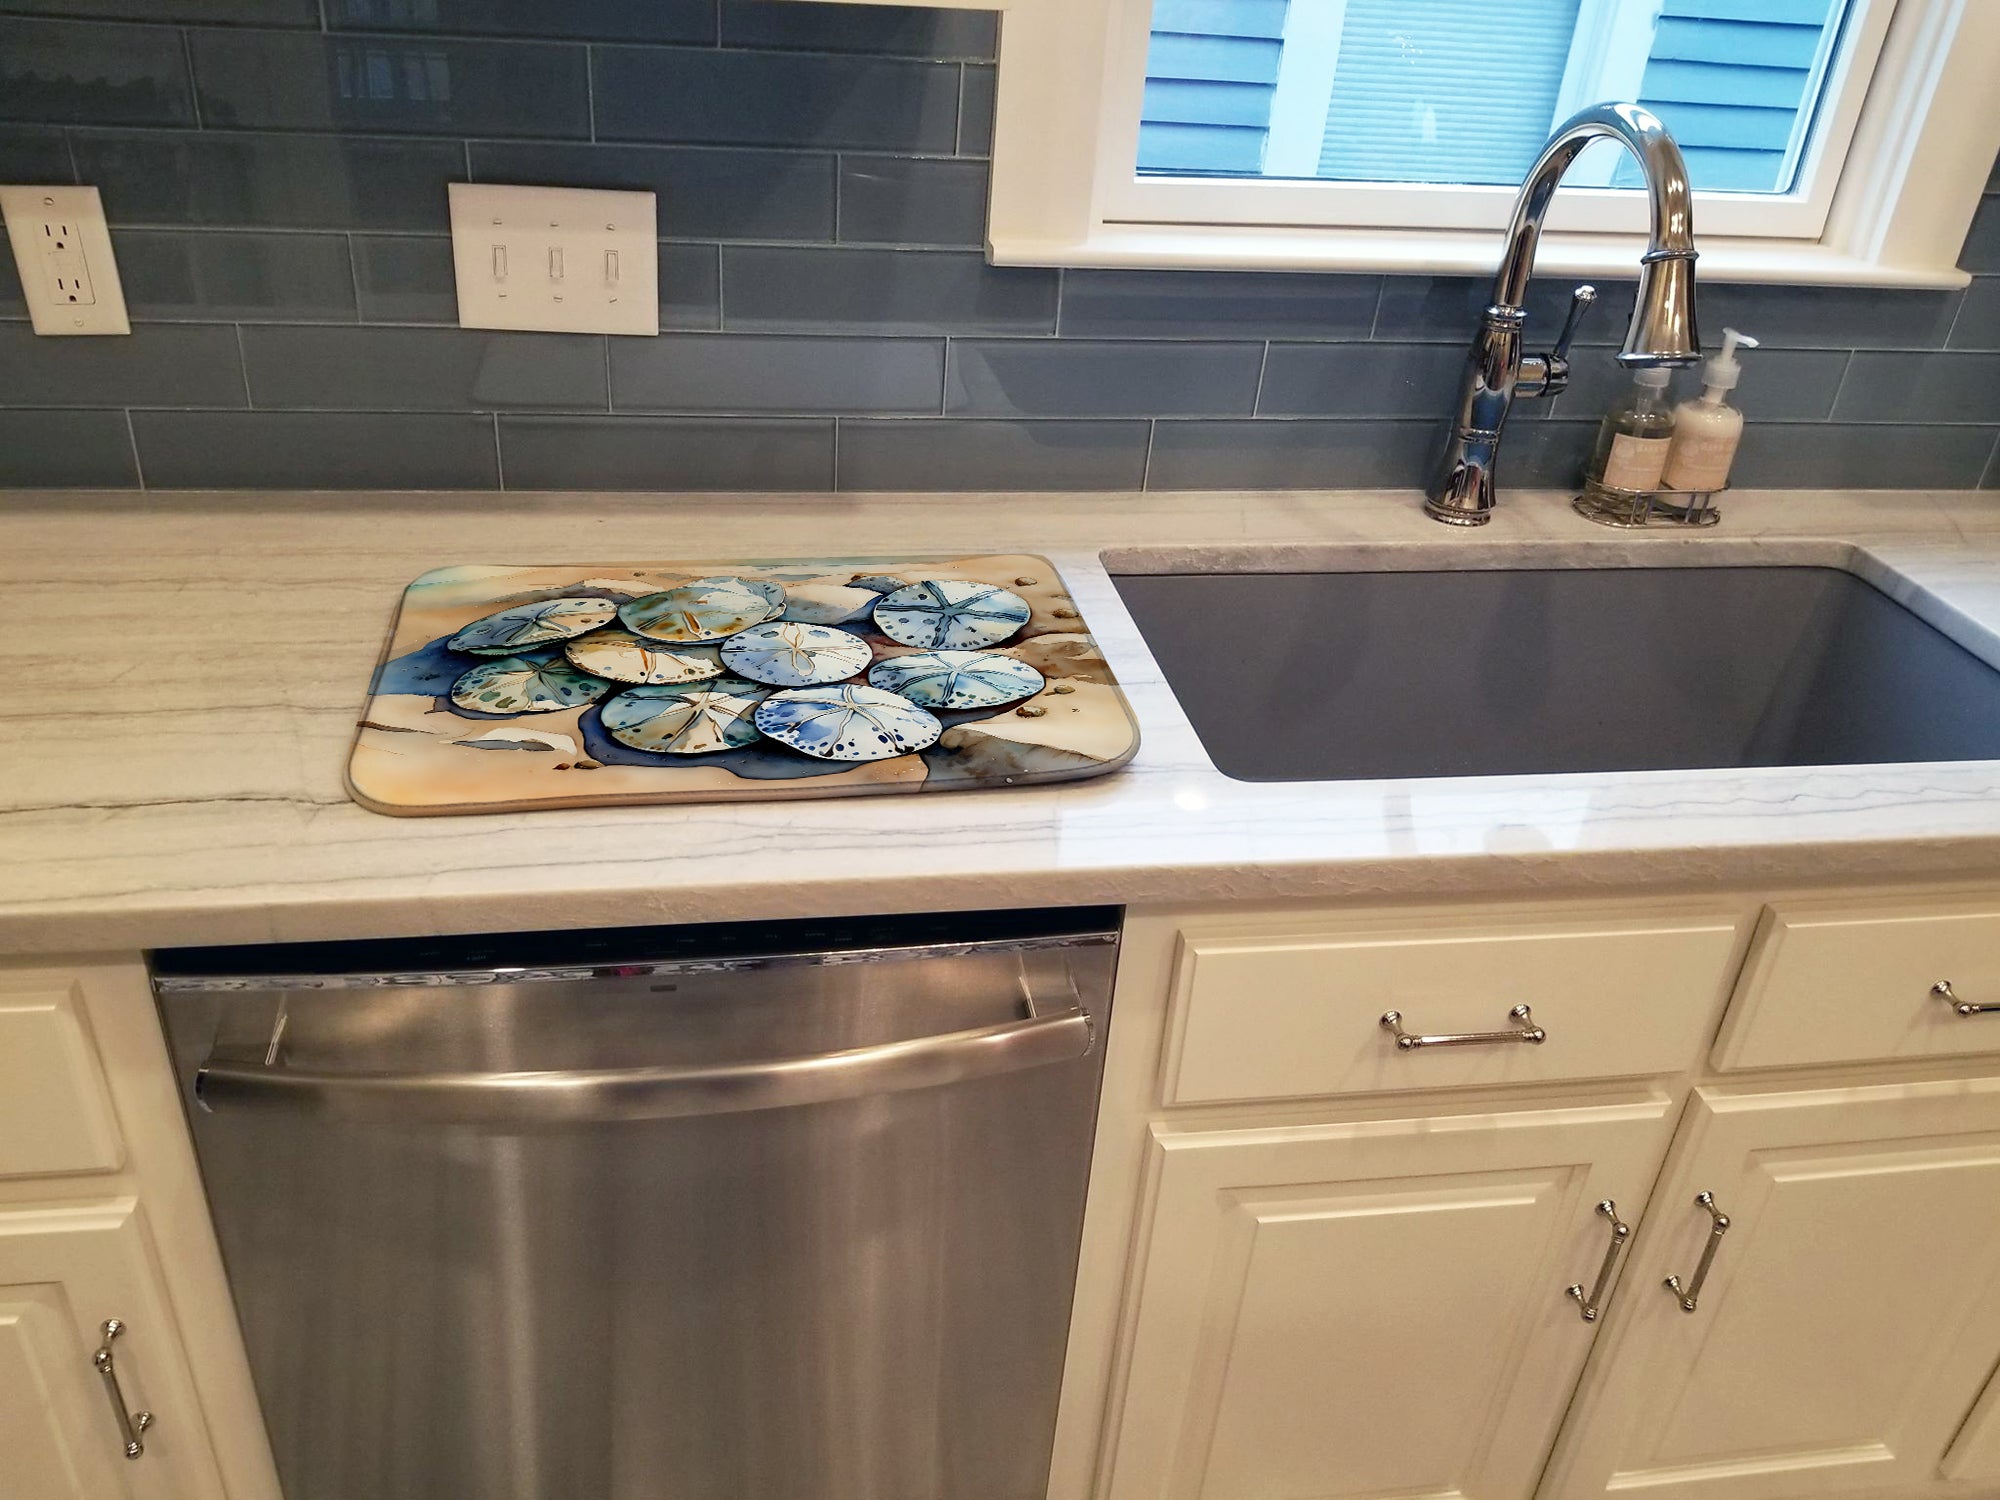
column 1277, row 1015
column 1852, row 982
column 55, row 1111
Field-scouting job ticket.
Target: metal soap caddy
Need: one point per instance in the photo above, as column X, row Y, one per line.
column 1610, row 506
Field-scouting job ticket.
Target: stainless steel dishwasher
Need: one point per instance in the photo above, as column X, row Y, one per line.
column 778, row 1211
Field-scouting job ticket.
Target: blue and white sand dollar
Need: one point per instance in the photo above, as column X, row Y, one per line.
column 846, row 721
column 625, row 657
column 538, row 624
column 686, row 718
column 949, row 614
column 527, row 685
column 788, row 653
column 709, row 609
column 956, row 679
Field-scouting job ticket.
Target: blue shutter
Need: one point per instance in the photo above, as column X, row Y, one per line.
column 1445, row 90
column 1210, row 74
column 1729, row 77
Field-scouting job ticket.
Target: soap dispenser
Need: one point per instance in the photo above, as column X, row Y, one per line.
column 1707, row 429
column 1632, row 445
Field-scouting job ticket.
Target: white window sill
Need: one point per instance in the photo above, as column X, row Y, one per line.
column 1433, row 252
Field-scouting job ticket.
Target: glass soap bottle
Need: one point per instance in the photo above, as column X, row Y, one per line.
column 1707, row 429
column 1632, row 445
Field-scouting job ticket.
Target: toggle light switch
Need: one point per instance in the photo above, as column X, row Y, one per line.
column 554, row 229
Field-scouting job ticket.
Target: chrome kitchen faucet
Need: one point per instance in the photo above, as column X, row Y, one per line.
column 1662, row 331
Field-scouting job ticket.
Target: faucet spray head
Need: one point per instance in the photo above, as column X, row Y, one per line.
column 1663, row 329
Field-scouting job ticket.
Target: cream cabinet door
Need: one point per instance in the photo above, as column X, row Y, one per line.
column 1368, row 1309
column 1850, row 1317
column 64, row 1270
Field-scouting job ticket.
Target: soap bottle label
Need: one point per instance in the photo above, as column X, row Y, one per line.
column 1701, row 459
column 1635, row 463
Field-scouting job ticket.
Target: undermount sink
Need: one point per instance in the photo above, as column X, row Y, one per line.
column 1327, row 676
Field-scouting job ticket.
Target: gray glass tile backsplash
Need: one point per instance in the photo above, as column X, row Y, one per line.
column 274, row 172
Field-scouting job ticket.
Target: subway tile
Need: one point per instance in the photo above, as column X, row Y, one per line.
column 881, row 30
column 65, row 450
column 1813, row 455
column 32, row 154
column 157, row 364
column 1198, row 304
column 295, row 81
column 912, row 200
column 212, row 276
column 1779, row 385
column 882, row 291
column 404, row 279
column 577, row 20
column 1082, row 378
column 690, row 287
column 93, row 71
column 1292, row 455
column 1978, row 325
column 761, row 373
column 424, row 369
column 1920, row 388
column 1541, row 455
column 1827, row 317
column 704, row 192
column 1982, row 241
column 221, row 12
column 975, row 110
column 773, row 99
column 289, row 181
column 13, row 304
column 919, row 453
column 196, row 450
column 666, row 453
column 1361, row 380
column 1990, row 480
column 1447, row 309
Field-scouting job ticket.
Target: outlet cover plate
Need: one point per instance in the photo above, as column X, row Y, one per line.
column 62, row 252
column 565, row 260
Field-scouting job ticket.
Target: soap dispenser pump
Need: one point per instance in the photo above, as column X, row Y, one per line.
column 1708, row 429
column 1633, row 442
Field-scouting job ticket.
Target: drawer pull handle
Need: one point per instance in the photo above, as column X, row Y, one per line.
column 1620, row 1233
column 1963, row 1008
column 1524, row 1031
column 1718, row 1227
column 130, row 1423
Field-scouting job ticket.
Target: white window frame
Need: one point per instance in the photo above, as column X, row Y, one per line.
column 1884, row 195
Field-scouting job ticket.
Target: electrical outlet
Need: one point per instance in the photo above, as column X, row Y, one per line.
column 568, row 260
column 62, row 252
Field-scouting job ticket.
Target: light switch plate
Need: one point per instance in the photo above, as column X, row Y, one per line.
column 567, row 260
column 62, row 252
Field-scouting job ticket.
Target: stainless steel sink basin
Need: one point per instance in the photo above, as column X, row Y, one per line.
column 1321, row 676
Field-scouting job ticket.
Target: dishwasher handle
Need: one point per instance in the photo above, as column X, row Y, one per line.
column 574, row 1097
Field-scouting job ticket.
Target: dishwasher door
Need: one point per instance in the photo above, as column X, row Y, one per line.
column 681, row 1221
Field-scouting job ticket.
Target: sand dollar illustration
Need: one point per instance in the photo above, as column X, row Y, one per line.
column 789, row 653
column 625, row 657
column 527, row 685
column 541, row 623
column 950, row 614
column 709, row 609
column 956, row 679
column 685, row 718
column 844, row 721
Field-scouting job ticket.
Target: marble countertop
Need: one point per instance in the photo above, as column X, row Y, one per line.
column 170, row 763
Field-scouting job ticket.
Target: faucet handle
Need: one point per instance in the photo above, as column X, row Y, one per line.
column 1580, row 302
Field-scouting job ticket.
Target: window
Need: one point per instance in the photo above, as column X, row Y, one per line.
column 1827, row 140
